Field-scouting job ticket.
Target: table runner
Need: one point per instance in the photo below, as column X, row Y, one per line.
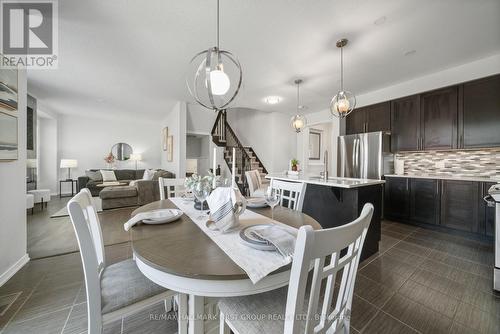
column 256, row 263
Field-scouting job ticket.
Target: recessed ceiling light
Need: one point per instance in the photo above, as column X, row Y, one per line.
column 302, row 107
column 381, row 20
column 272, row 99
column 410, row 53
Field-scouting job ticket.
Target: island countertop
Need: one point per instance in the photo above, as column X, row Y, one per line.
column 339, row 182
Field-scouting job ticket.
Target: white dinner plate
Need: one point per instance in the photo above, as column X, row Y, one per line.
column 170, row 216
column 256, row 202
column 249, row 239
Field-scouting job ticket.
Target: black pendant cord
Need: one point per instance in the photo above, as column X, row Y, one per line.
column 218, row 23
column 298, row 102
column 342, row 69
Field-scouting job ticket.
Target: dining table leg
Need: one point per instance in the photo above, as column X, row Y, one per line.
column 196, row 314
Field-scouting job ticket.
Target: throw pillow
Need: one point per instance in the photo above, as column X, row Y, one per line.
column 94, row 175
column 148, row 174
column 108, row 175
column 163, row 173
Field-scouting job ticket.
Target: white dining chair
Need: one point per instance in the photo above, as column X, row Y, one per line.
column 117, row 290
column 255, row 184
column 291, row 193
column 175, row 187
column 304, row 307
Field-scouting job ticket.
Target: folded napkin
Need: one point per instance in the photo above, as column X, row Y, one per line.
column 154, row 214
column 226, row 204
column 281, row 238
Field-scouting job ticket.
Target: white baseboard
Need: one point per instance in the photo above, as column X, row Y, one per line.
column 4, row 277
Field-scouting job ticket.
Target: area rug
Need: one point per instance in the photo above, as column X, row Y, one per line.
column 55, row 236
column 64, row 211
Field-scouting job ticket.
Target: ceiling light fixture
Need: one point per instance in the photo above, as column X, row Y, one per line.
column 212, row 86
column 299, row 122
column 272, row 99
column 344, row 102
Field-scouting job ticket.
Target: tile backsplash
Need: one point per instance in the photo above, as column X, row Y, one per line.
column 475, row 163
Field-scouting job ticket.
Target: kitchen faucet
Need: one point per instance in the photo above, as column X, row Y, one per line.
column 324, row 174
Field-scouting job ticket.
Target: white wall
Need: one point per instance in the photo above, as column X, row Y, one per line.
column 89, row 140
column 47, row 154
column 13, row 198
column 315, row 120
column 269, row 134
column 175, row 120
column 466, row 72
column 327, row 139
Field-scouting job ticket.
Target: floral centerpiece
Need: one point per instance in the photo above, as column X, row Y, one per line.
column 201, row 184
column 109, row 159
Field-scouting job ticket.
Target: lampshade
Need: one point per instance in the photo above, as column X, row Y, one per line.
column 68, row 163
column 136, row 156
column 31, row 163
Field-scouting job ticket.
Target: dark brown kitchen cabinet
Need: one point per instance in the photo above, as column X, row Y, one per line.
column 397, row 198
column 405, row 124
column 355, row 122
column 480, row 116
column 486, row 213
column 371, row 118
column 439, row 116
column 460, row 205
column 424, row 201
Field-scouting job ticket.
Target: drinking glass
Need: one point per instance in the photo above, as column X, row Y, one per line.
column 272, row 199
column 201, row 194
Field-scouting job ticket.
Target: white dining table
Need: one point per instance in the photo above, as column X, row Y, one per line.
column 181, row 257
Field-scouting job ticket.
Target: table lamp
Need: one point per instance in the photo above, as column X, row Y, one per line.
column 136, row 157
column 69, row 163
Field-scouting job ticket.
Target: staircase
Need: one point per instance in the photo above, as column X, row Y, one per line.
column 246, row 159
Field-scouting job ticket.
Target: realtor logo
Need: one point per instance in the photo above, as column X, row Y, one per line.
column 29, row 33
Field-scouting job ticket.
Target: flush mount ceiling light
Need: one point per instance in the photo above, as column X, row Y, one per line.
column 272, row 99
column 344, row 102
column 298, row 121
column 214, row 77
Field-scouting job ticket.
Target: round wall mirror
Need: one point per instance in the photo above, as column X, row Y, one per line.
column 121, row 151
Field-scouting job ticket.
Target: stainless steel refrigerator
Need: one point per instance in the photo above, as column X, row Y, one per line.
column 365, row 155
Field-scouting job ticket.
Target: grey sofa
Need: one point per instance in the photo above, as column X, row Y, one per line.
column 138, row 192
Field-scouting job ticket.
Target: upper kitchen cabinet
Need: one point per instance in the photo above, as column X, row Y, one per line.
column 378, row 117
column 355, row 122
column 439, row 116
column 481, row 113
column 372, row 118
column 405, row 124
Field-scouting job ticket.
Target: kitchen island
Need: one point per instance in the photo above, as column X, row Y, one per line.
column 338, row 201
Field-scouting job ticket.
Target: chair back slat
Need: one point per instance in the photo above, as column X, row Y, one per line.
column 88, row 232
column 253, row 180
column 173, row 187
column 332, row 251
column 291, row 193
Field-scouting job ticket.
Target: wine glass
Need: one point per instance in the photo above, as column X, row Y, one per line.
column 201, row 194
column 272, row 198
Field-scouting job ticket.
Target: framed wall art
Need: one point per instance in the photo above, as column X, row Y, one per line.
column 8, row 137
column 164, row 138
column 170, row 149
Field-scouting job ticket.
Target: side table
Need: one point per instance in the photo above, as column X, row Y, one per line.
column 74, row 186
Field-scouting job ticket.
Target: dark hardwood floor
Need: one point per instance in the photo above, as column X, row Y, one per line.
column 421, row 281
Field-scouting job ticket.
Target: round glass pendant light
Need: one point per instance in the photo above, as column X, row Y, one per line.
column 344, row 102
column 298, row 121
column 214, row 76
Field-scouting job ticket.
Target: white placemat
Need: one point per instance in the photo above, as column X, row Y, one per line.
column 257, row 264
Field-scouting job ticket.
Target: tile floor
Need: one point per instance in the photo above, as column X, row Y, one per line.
column 421, row 281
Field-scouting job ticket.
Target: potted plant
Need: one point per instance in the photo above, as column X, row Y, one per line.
column 110, row 160
column 295, row 164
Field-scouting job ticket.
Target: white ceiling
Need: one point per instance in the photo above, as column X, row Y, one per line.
column 128, row 57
